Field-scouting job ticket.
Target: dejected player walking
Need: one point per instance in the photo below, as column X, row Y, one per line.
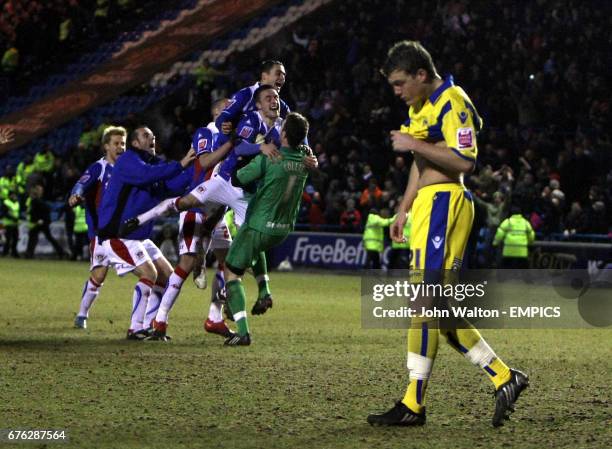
column 441, row 132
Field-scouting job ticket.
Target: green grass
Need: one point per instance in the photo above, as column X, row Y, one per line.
column 308, row 381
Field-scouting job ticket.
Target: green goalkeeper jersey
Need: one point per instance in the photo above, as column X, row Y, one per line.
column 274, row 208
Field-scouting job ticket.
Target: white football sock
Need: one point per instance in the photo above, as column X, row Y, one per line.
column 166, row 207
column 90, row 293
column 172, row 291
column 142, row 290
column 214, row 312
column 153, row 305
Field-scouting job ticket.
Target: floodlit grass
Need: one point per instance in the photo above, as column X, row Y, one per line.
column 309, row 379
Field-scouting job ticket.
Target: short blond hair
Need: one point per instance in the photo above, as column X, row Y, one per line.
column 113, row 131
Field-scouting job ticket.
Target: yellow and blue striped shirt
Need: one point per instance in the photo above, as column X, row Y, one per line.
column 447, row 115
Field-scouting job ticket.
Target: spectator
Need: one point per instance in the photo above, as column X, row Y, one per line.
column 399, row 173
column 596, row 220
column 39, row 218
column 315, row 213
column 517, row 236
column 374, row 237
column 80, row 233
column 10, row 60
column 542, row 122
column 350, row 220
column 371, row 196
column 10, row 213
column 575, row 221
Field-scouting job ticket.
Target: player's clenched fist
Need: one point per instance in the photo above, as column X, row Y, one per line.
column 403, row 142
column 397, row 229
column 74, row 200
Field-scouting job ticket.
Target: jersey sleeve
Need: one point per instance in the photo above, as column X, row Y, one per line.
column 179, row 184
column 252, row 171
column 135, row 171
column 202, row 141
column 234, row 108
column 87, row 180
column 459, row 127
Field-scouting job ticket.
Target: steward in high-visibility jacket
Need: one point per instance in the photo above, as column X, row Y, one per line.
column 80, row 222
column 517, row 234
column 80, row 233
column 374, row 236
column 10, row 220
column 44, row 161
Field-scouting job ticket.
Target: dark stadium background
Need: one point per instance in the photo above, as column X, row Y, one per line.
column 538, row 72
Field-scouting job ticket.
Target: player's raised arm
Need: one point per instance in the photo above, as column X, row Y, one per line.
column 233, row 110
column 6, row 134
column 250, row 172
column 82, row 186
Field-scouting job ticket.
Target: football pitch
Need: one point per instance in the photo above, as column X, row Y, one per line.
column 309, row 379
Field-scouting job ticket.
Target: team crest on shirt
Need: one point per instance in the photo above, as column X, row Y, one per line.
column 202, row 144
column 139, row 255
column 201, row 189
column 465, row 138
column 246, row 132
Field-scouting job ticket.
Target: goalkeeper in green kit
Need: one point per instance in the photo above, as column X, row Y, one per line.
column 270, row 216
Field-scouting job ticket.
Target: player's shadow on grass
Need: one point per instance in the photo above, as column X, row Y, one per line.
column 67, row 344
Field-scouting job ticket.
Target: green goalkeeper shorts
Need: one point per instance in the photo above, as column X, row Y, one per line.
column 247, row 245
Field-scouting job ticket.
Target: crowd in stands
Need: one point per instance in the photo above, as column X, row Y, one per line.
column 536, row 71
column 545, row 102
column 31, row 30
